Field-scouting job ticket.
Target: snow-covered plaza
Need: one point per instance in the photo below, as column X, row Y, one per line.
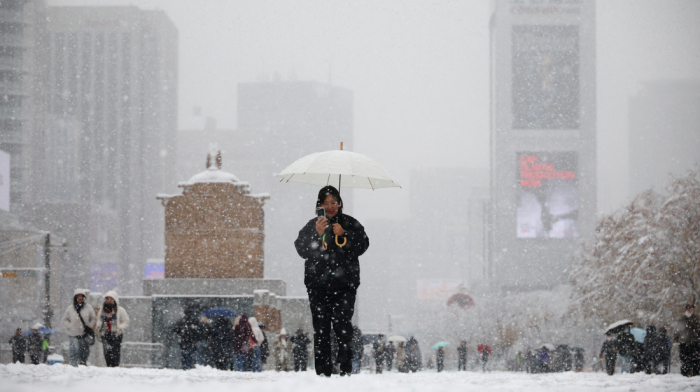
column 63, row 378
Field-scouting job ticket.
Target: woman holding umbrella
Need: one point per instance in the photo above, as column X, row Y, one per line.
column 331, row 246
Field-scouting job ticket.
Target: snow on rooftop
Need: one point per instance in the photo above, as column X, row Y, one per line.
column 213, row 174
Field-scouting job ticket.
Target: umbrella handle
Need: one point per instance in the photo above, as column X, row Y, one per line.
column 345, row 241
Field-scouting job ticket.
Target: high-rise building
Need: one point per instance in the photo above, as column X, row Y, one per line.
column 664, row 133
column 110, row 129
column 543, row 139
column 21, row 27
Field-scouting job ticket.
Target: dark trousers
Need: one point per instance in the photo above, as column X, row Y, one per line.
column 35, row 357
column 300, row 361
column 690, row 359
column 17, row 357
column 112, row 345
column 188, row 358
column 332, row 310
column 610, row 364
column 380, row 364
column 389, row 362
column 462, row 364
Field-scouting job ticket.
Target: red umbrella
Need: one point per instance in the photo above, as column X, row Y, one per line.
column 482, row 347
column 462, row 300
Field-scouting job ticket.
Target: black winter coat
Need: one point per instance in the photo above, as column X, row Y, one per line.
column 190, row 330
column 19, row 344
column 335, row 268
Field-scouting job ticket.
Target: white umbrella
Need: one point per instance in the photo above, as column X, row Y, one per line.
column 338, row 168
column 617, row 325
column 549, row 346
column 397, row 338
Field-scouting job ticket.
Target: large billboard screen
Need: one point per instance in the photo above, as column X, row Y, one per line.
column 548, row 201
column 545, row 77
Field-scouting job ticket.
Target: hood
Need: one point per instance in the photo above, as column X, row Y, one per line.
column 80, row 291
column 114, row 295
column 283, row 331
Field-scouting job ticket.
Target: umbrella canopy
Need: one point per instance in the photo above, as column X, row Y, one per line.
column 219, row 312
column 483, row 346
column 639, row 334
column 42, row 330
column 617, row 326
column 397, row 338
column 440, row 344
column 549, row 346
column 338, row 168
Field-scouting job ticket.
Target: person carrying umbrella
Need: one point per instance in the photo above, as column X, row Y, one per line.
column 331, row 246
column 34, row 344
column 485, row 351
column 609, row 351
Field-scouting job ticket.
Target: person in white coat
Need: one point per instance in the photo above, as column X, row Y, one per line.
column 255, row 361
column 112, row 320
column 76, row 318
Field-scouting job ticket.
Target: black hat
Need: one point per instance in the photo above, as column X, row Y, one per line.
column 689, row 306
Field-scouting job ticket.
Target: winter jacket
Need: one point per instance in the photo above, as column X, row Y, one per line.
column 654, row 345
column 333, row 268
column 400, row 356
column 71, row 320
column 116, row 320
column 462, row 352
column 244, row 336
column 626, row 345
column 19, row 344
column 281, row 352
column 301, row 343
column 189, row 329
column 688, row 330
column 259, row 336
column 609, row 349
column 221, row 336
column 35, row 342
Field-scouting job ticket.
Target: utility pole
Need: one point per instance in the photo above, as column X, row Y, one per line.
column 48, row 313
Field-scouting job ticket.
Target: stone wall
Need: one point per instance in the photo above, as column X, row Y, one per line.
column 214, row 230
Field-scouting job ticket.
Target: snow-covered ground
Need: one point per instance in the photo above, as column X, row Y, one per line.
column 63, row 378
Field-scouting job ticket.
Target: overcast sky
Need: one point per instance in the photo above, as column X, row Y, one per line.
column 419, row 71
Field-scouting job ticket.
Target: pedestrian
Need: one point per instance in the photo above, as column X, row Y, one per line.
column 519, row 361
column 578, row 359
column 35, row 342
column 112, row 321
column 300, row 350
column 264, row 346
column 378, row 354
column 19, row 346
column 462, row 356
column 653, row 350
column 413, row 355
column 256, row 355
column 665, row 350
column 243, row 344
column 358, row 349
column 609, row 352
column 401, row 365
column 627, row 350
column 544, row 360
column 440, row 359
column 221, row 339
column 190, row 330
column 281, row 351
column 331, row 246
column 78, row 320
column 389, row 352
column 687, row 335
column 485, row 353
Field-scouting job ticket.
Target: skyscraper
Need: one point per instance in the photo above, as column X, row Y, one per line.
column 543, row 139
column 111, row 87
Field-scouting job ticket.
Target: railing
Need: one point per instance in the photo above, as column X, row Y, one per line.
column 144, row 355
